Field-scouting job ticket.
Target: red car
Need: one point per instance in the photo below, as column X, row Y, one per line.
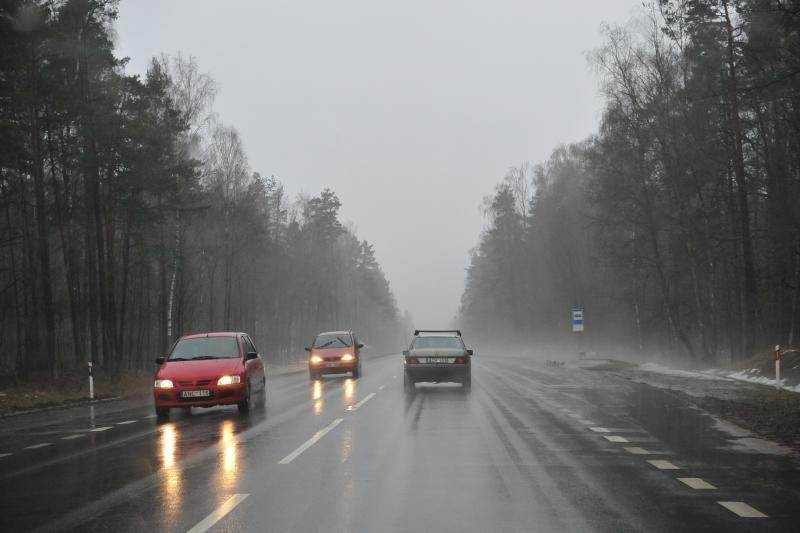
column 334, row 352
column 209, row 369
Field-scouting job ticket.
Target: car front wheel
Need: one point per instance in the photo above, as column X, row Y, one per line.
column 244, row 405
column 162, row 412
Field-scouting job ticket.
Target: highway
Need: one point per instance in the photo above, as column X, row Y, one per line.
column 532, row 448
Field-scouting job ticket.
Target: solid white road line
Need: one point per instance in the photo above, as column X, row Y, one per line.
column 615, row 438
column 663, row 465
column 367, row 398
column 96, row 430
column 742, row 509
column 5, row 454
column 208, row 522
column 601, row 430
column 310, row 442
column 637, row 451
column 126, row 422
column 72, row 437
column 696, row 483
column 40, row 445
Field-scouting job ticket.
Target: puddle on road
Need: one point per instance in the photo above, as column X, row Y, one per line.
column 690, row 431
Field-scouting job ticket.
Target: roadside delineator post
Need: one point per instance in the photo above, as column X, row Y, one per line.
column 777, row 366
column 91, row 382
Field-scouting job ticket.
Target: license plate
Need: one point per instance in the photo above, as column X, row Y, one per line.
column 195, row 393
column 438, row 360
column 334, row 364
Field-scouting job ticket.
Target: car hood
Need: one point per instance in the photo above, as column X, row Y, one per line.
column 204, row 368
column 333, row 352
column 437, row 352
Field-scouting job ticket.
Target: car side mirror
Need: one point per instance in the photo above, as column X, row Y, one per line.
column 470, row 352
column 250, row 356
column 359, row 345
column 160, row 360
column 406, row 353
column 307, row 349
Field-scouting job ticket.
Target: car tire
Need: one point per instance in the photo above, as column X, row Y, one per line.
column 244, row 405
column 314, row 375
column 357, row 372
column 162, row 413
column 409, row 387
column 466, row 382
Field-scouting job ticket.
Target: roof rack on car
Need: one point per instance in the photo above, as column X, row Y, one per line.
column 456, row 331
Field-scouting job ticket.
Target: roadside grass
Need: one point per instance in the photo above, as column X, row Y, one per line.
column 38, row 391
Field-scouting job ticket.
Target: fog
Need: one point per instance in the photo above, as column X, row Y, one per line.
column 410, row 111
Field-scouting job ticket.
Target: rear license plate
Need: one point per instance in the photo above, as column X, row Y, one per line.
column 334, row 364
column 438, row 360
column 195, row 394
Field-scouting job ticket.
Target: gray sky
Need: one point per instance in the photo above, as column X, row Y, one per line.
column 410, row 110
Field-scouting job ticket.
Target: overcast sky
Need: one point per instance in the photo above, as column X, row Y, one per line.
column 410, row 110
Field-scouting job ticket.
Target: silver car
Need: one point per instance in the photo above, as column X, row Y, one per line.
column 437, row 356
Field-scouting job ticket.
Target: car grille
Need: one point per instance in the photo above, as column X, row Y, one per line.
column 198, row 383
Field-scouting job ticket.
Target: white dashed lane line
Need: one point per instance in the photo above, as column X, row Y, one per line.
column 97, row 430
column 126, row 422
column 663, row 465
column 72, row 437
column 696, row 483
column 219, row 513
column 381, row 387
column 635, row 450
column 586, row 422
column 742, row 509
column 367, row 398
column 615, row 438
column 310, row 442
column 37, row 446
column 5, row 454
column 601, row 430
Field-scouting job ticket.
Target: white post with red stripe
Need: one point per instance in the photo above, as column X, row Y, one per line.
column 91, row 382
column 777, row 366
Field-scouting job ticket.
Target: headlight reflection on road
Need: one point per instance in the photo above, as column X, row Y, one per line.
column 316, row 395
column 229, row 461
column 171, row 475
column 349, row 389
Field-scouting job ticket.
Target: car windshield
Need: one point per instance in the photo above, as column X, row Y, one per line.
column 437, row 342
column 333, row 341
column 205, row 348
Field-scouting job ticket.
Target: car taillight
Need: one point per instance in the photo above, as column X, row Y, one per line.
column 460, row 361
column 412, row 361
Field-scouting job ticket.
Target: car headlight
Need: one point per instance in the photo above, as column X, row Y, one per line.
column 347, row 357
column 229, row 380
column 315, row 359
column 163, row 384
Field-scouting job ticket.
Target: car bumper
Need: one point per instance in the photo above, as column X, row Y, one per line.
column 226, row 395
column 328, row 368
column 437, row 373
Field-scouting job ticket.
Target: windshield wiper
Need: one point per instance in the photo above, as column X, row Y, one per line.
column 177, row 359
column 203, row 357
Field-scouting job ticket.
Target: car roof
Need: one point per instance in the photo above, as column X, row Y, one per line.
column 214, row 334
column 437, row 333
column 335, row 333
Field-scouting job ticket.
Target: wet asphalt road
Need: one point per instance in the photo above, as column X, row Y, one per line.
column 517, row 454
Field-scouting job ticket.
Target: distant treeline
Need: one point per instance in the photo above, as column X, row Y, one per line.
column 129, row 214
column 677, row 226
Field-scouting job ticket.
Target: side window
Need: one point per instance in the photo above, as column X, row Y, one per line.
column 248, row 344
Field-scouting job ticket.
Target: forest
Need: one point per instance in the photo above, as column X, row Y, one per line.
column 676, row 225
column 129, row 214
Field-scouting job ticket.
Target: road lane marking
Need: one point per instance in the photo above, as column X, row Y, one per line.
column 126, row 422
column 394, row 377
column 381, row 387
column 586, row 422
column 662, row 464
column 71, row 437
column 367, row 398
column 310, row 442
column 40, row 445
column 742, row 509
column 637, row 450
column 696, row 483
column 574, row 415
column 208, row 522
column 615, row 438
column 5, row 454
column 601, row 430
column 96, row 430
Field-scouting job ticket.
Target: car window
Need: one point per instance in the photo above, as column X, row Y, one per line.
column 248, row 344
column 206, row 348
column 342, row 340
column 437, row 342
